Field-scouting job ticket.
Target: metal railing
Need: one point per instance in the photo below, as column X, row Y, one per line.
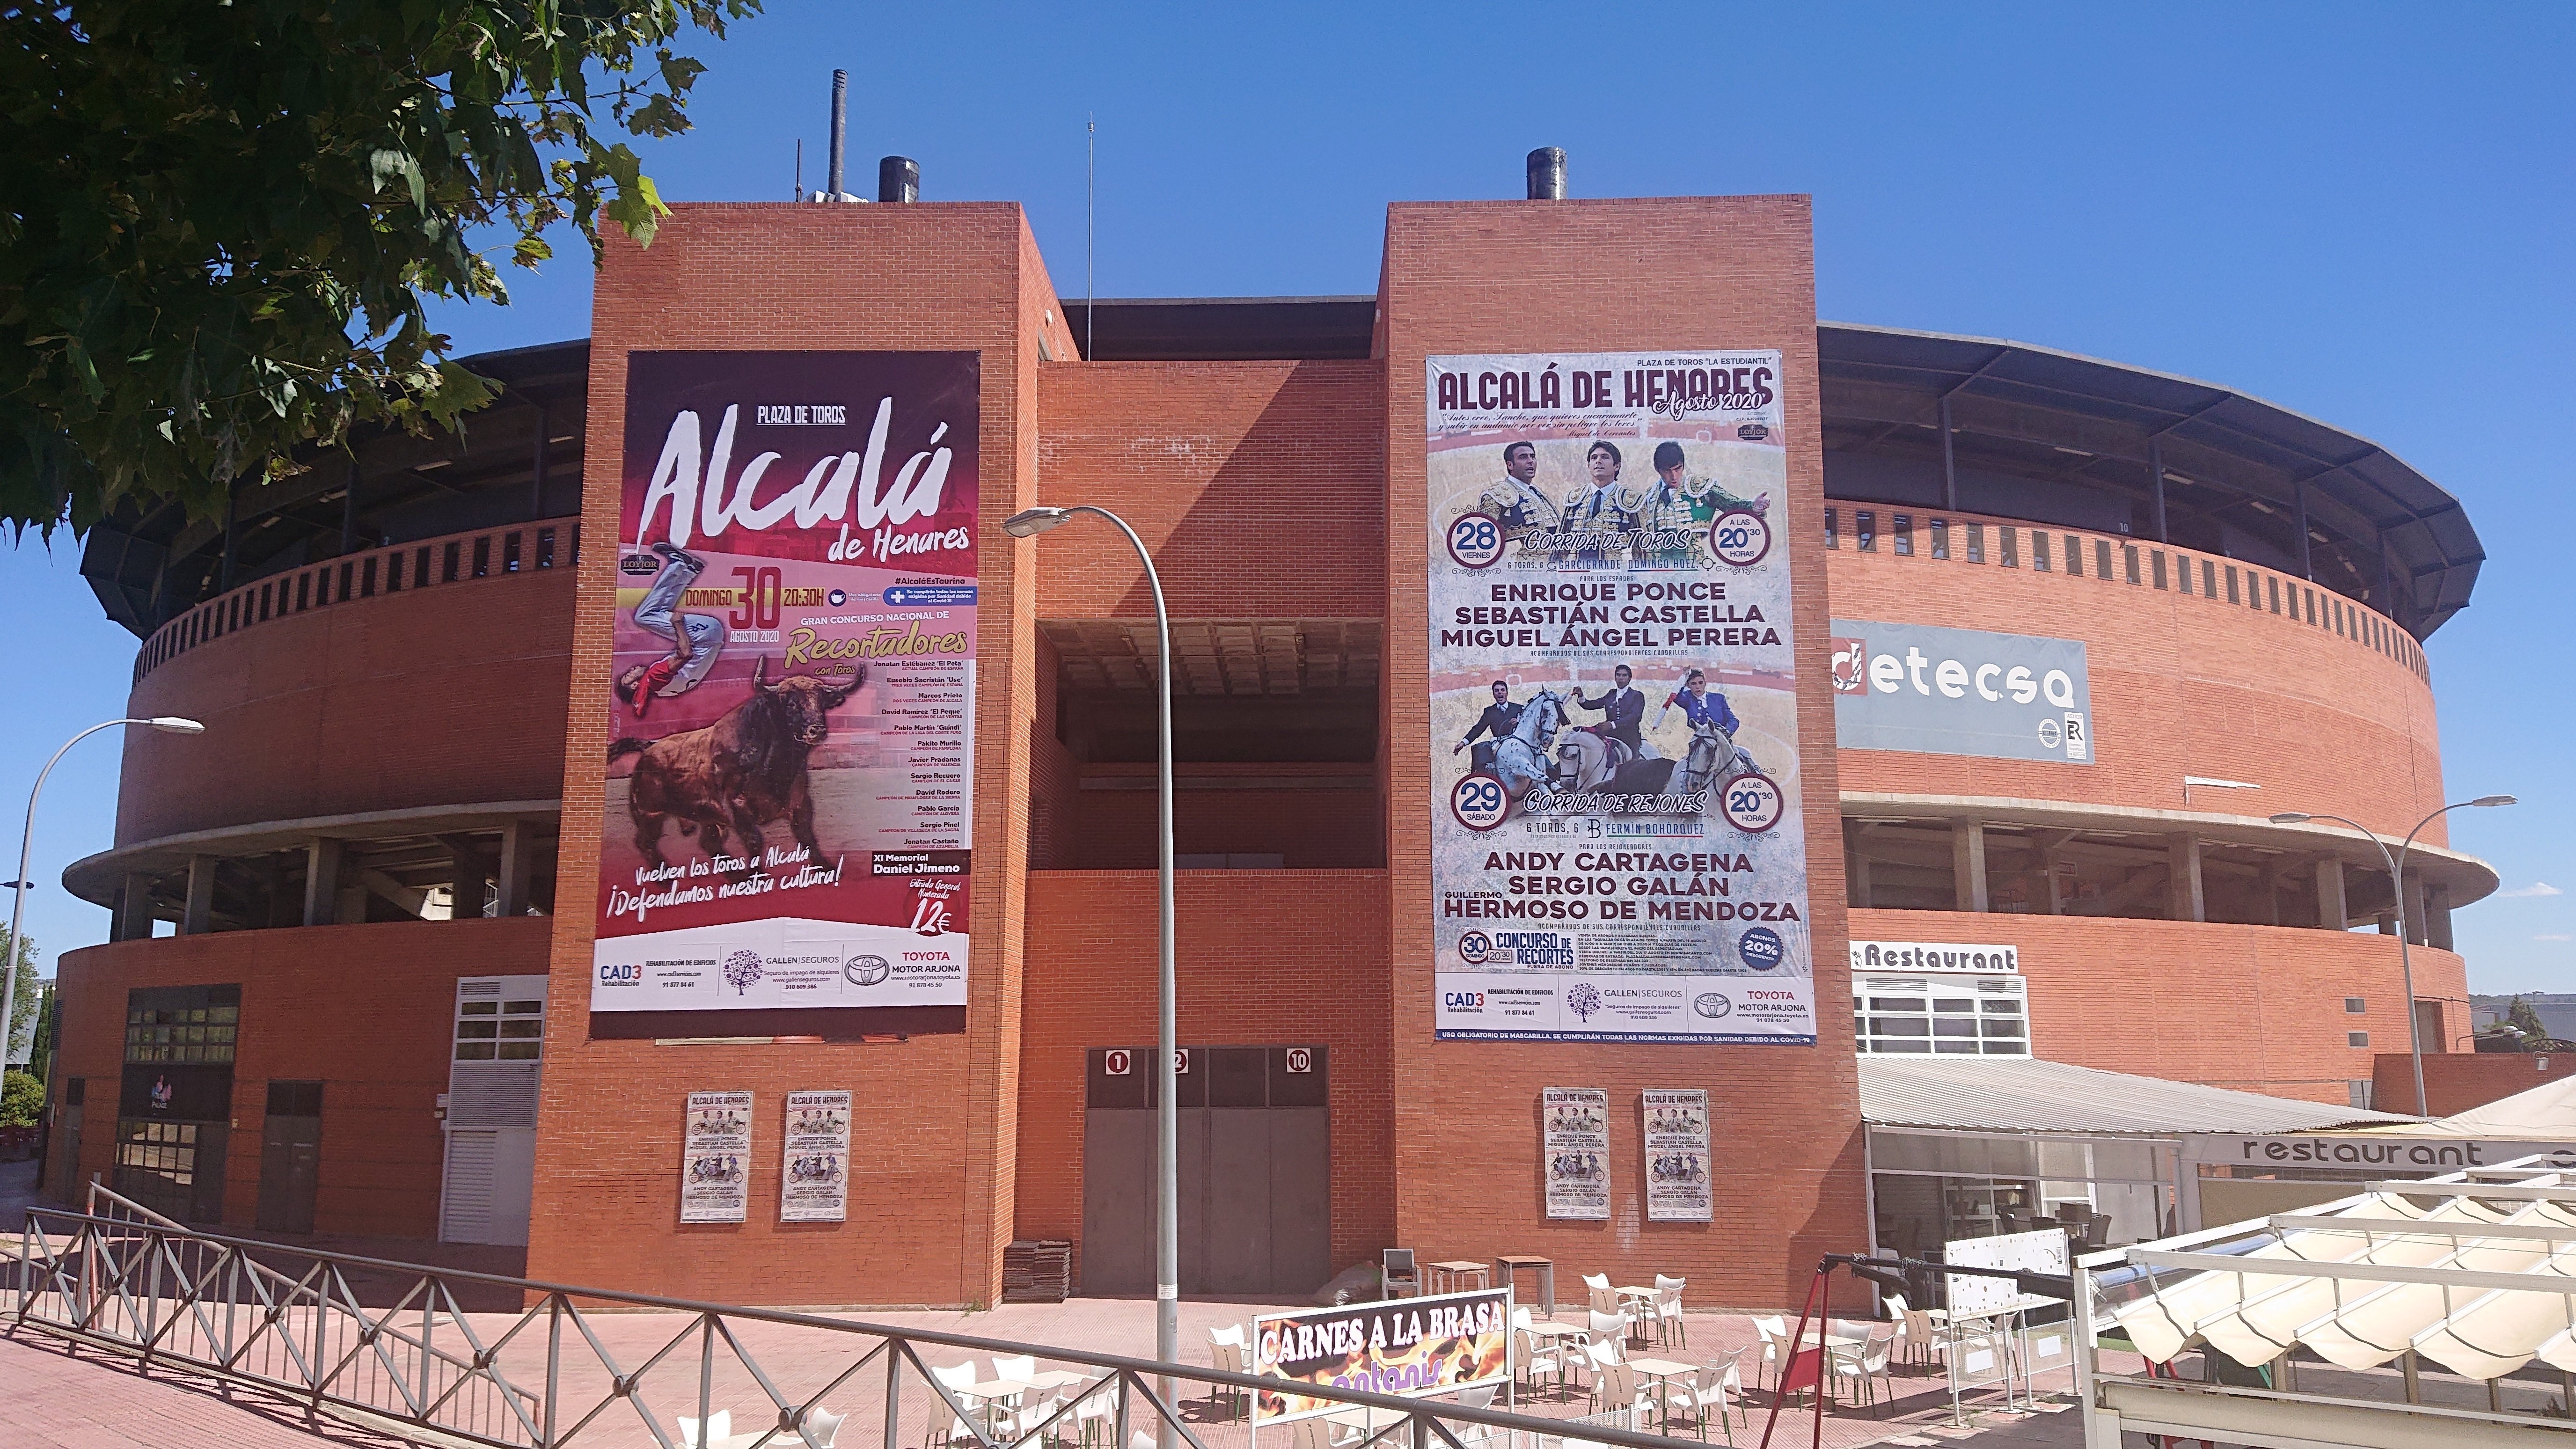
column 401, row 1349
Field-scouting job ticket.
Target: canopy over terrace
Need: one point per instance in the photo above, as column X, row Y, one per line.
column 1968, row 1147
column 2473, row 1272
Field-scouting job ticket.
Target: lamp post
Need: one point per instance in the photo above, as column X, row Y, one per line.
column 2397, row 885
column 1029, row 523
column 167, row 724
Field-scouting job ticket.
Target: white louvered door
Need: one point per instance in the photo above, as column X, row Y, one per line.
column 494, row 1071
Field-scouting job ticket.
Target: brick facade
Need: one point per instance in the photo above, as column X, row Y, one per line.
column 380, row 1050
column 2459, row 1080
column 1269, row 491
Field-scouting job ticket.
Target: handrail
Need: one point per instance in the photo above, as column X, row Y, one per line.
column 179, row 1295
column 99, row 1190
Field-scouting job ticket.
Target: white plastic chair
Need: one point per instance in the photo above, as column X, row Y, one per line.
column 719, row 1428
column 1538, row 1356
column 1860, row 1367
column 1774, row 1333
column 1668, row 1310
column 821, row 1425
column 1608, row 1328
column 1230, row 1350
column 1095, row 1416
column 958, row 1381
column 1695, row 1394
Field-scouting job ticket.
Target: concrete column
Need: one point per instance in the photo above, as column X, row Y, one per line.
column 196, row 918
column 134, row 909
column 2049, row 841
column 518, row 858
column 2437, row 918
column 322, row 857
column 2189, row 902
column 472, row 868
column 2330, row 903
column 1855, row 865
column 2270, row 887
column 1968, row 863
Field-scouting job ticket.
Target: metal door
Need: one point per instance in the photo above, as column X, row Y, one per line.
column 1254, row 1172
column 66, row 1181
column 290, row 1157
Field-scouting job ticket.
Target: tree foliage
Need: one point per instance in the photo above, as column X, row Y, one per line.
column 22, row 1099
column 2525, row 1018
column 218, row 221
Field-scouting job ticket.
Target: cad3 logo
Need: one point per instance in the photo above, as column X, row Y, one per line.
column 1463, row 1000
column 621, row 973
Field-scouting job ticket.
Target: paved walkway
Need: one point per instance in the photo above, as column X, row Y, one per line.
column 63, row 1397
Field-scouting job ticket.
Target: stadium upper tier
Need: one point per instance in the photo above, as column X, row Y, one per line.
column 1911, row 419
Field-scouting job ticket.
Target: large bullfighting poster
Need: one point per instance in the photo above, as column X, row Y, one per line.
column 1617, row 847
column 791, row 756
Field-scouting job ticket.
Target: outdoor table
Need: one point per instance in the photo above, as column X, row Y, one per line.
column 1446, row 1277
column 1661, row 1370
column 994, row 1393
column 1509, row 1269
column 1057, row 1379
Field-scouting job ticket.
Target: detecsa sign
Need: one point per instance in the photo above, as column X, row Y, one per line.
column 1936, row 691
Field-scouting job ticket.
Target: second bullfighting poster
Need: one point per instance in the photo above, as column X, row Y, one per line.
column 1618, row 852
column 791, row 760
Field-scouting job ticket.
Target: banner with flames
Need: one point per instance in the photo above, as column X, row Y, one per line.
column 1408, row 1346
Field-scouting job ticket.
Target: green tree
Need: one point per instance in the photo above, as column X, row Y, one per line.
column 2525, row 1018
column 27, row 1009
column 218, row 221
column 22, row 1099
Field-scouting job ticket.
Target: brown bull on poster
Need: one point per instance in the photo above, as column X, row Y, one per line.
column 737, row 774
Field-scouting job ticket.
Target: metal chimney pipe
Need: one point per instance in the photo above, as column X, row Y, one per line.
column 1547, row 174
column 898, row 179
column 840, row 129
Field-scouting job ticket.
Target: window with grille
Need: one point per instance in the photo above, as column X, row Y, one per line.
column 1930, row 1015
column 500, row 1030
column 192, row 1024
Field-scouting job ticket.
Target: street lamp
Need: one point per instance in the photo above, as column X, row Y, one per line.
column 170, row 724
column 1029, row 523
column 2397, row 884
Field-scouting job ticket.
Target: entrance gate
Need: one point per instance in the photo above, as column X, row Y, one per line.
column 1255, row 1171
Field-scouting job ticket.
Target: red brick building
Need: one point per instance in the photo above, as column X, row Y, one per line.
column 384, row 650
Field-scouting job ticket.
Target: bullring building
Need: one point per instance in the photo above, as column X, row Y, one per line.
column 1615, row 713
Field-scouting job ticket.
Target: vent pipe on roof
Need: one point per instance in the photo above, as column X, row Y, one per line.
column 898, row 179
column 840, row 129
column 1547, row 174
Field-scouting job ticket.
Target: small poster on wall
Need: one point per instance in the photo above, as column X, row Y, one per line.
column 1677, row 1188
column 715, row 1158
column 1576, row 1143
column 814, row 1182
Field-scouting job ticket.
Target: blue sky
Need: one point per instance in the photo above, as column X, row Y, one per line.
column 2361, row 212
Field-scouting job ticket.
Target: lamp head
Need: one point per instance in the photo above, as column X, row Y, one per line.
column 171, row 724
column 2291, row 817
column 2495, row 800
column 1030, row 522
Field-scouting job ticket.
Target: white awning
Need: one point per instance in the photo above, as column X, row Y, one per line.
column 2019, row 1094
column 2474, row 1271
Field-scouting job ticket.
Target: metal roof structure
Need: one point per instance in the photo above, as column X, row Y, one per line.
column 2236, row 472
column 2032, row 433
column 2019, row 1094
